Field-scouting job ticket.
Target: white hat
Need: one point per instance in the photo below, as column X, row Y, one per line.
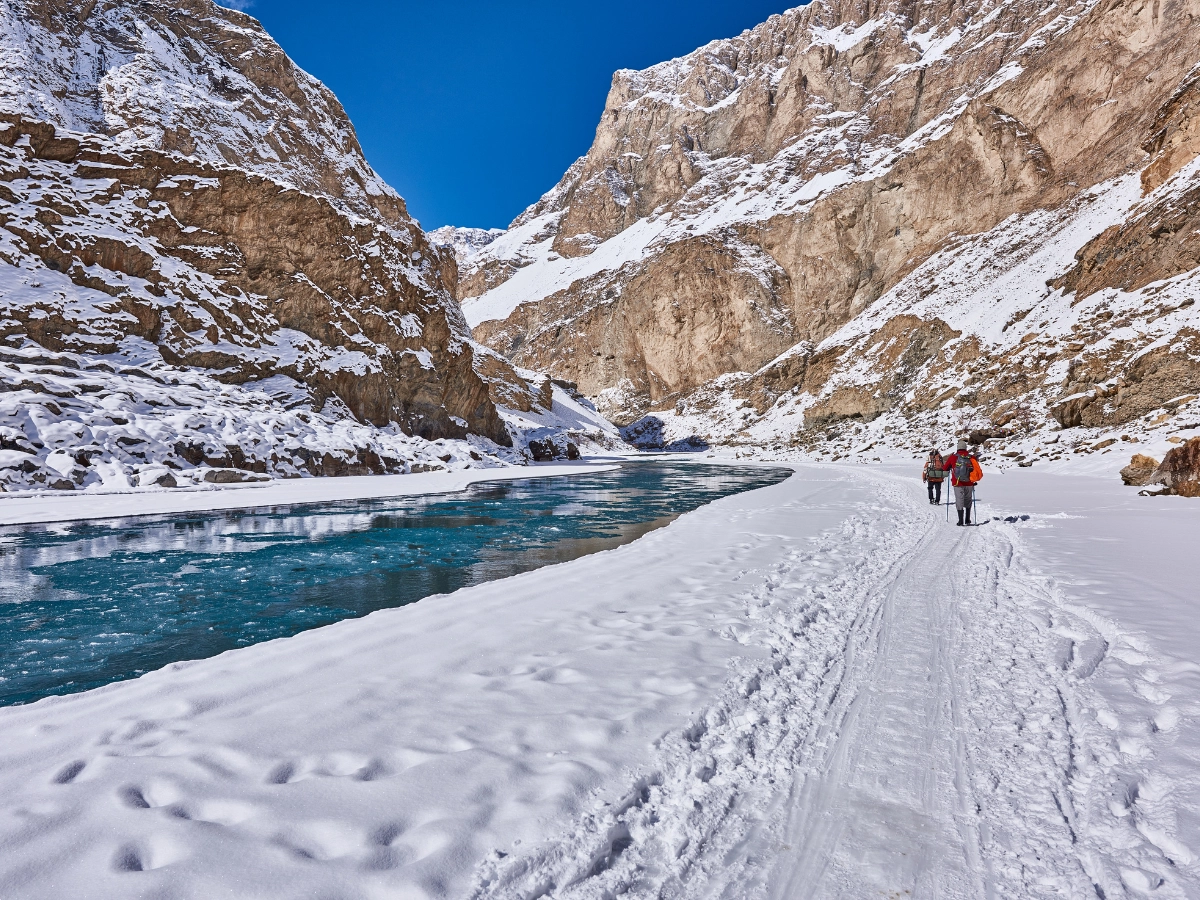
column 962, row 444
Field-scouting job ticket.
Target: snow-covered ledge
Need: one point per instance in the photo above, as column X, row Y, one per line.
column 65, row 507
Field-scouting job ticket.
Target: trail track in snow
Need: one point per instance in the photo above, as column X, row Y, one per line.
column 924, row 727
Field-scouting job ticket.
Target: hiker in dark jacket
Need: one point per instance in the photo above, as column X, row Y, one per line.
column 933, row 475
column 964, row 475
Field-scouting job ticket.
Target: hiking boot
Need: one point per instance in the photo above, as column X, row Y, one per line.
column 960, row 517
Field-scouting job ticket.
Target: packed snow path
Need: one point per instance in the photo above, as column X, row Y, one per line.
column 889, row 808
column 818, row 689
column 923, row 729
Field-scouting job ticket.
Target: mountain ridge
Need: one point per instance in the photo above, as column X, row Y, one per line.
column 214, row 286
column 191, row 78
column 756, row 197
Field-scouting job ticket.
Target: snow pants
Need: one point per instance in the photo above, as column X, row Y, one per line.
column 963, row 495
column 935, row 491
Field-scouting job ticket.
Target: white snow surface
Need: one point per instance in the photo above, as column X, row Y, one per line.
column 818, row 689
column 43, row 508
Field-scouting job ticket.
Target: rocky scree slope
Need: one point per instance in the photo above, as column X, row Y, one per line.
column 220, row 308
column 978, row 215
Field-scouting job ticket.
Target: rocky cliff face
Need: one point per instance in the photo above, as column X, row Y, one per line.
column 231, row 272
column 190, row 78
column 199, row 272
column 863, row 210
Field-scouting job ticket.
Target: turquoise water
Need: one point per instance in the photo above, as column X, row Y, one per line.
column 88, row 604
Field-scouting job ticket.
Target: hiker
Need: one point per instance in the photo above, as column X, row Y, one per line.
column 964, row 475
column 933, row 475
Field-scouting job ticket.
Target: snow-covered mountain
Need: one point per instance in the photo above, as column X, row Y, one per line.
column 464, row 243
column 971, row 215
column 202, row 278
column 191, row 78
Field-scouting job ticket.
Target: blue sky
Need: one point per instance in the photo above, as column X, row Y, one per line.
column 473, row 109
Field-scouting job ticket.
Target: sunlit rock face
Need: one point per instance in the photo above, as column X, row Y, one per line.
column 857, row 210
column 1180, row 470
column 181, row 204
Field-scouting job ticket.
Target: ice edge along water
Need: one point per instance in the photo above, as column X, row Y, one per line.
column 60, row 507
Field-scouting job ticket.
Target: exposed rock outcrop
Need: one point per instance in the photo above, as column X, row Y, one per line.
column 1159, row 240
column 202, row 280
column 231, row 272
column 701, row 308
column 1140, row 471
column 186, row 77
column 992, row 191
column 1180, row 470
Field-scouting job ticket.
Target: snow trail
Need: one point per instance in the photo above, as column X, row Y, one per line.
column 877, row 816
column 696, row 824
column 923, row 727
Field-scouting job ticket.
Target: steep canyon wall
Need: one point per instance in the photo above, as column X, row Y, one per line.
column 757, row 198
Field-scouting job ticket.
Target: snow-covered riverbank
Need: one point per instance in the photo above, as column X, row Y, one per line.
column 64, row 507
column 816, row 689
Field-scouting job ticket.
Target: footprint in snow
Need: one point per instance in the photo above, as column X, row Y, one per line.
column 144, row 856
column 128, row 859
column 283, row 773
column 133, row 798
column 69, row 772
column 153, row 794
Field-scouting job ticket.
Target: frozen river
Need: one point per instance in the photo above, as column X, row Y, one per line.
column 90, row 603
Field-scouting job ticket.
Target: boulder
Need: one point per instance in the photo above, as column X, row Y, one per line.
column 542, row 451
column 979, row 435
column 1140, row 470
column 230, row 476
column 421, row 468
column 1180, row 470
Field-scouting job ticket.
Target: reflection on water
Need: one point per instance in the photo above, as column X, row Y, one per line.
column 84, row 605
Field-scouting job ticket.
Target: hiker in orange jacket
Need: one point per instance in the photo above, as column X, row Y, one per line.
column 964, row 475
